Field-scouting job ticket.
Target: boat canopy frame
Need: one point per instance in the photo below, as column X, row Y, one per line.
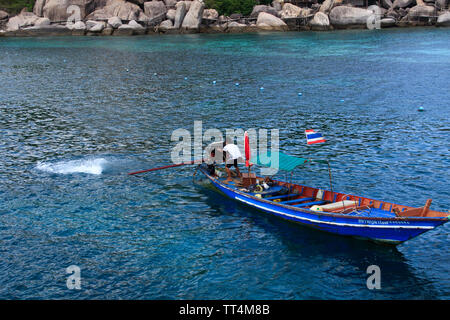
column 287, row 162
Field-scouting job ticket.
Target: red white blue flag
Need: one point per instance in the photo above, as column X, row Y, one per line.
column 313, row 137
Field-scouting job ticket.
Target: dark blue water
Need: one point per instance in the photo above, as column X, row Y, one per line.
column 77, row 114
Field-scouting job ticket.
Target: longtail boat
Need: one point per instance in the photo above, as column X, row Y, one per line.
column 326, row 210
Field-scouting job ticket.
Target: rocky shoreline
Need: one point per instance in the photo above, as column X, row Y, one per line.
column 139, row 17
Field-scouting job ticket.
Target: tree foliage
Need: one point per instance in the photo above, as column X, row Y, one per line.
column 228, row 7
column 15, row 6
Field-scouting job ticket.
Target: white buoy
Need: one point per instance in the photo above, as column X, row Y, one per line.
column 300, row 94
column 262, row 88
column 185, row 78
column 421, row 109
column 342, row 100
column 214, row 82
column 237, row 84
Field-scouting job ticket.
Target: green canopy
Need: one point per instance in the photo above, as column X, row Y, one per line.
column 279, row 160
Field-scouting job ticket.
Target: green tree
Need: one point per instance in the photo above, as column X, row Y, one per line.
column 228, row 7
column 15, row 6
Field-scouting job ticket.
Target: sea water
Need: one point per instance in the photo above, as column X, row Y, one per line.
column 78, row 114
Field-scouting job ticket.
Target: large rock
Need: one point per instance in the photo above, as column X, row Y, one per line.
column 320, row 22
column 418, row 12
column 155, row 10
column 38, row 8
column 180, row 13
column 107, row 31
column 41, row 22
column 444, row 20
column 263, row 8
column 95, row 26
column 138, row 2
column 267, row 21
column 379, row 11
column 135, row 25
column 403, row 3
column 326, row 6
column 187, row 3
column 387, row 22
column 210, row 14
column 78, row 26
column 56, row 10
column 234, row 24
column 170, row 3
column 277, row 5
column 23, row 20
column 233, row 16
column 290, row 11
column 236, row 27
column 386, row 4
column 193, row 17
column 306, row 12
column 166, row 25
column 403, row 12
column 171, row 14
column 441, row 4
column 146, row 19
column 116, row 8
column 115, row 22
column 391, row 13
column 47, row 30
column 3, row 15
column 129, row 29
column 348, row 17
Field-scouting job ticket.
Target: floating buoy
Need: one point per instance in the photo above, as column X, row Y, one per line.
column 155, row 74
column 127, row 70
column 300, row 94
column 421, row 109
column 237, row 84
column 262, row 88
column 342, row 100
column 185, row 78
column 214, row 82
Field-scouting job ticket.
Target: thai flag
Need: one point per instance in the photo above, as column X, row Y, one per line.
column 313, row 137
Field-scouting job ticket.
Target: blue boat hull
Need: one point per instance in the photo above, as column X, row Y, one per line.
column 386, row 230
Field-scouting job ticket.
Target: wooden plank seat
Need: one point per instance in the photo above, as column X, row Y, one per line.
column 283, row 196
column 308, row 204
column 296, row 200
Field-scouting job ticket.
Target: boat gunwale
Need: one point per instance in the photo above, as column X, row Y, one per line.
column 323, row 213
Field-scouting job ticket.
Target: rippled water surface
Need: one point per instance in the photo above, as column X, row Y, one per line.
column 77, row 114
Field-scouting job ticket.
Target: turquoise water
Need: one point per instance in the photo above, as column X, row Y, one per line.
column 77, row 114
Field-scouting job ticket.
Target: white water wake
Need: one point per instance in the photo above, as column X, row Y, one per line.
column 90, row 166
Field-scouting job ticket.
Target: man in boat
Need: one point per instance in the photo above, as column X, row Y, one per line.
column 211, row 163
column 231, row 154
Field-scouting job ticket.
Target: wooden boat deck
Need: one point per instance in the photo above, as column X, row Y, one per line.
column 304, row 197
column 335, row 212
